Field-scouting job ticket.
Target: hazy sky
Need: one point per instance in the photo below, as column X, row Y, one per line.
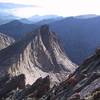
column 27, row 8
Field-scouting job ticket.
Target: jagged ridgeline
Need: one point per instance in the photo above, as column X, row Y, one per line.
column 38, row 54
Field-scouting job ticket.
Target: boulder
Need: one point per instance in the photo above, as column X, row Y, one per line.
column 37, row 89
column 12, row 84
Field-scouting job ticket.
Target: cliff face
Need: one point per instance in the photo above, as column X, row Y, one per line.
column 37, row 55
column 84, row 83
column 5, row 41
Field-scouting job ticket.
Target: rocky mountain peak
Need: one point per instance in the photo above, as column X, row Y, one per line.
column 44, row 29
column 45, row 35
column 37, row 55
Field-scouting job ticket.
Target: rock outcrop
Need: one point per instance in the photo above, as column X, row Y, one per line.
column 5, row 41
column 83, row 82
column 14, row 88
column 12, row 84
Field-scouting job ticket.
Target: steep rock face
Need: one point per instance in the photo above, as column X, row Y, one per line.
column 37, row 55
column 5, row 41
column 84, row 83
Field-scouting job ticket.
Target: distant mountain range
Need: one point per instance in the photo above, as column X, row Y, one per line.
column 37, row 18
column 16, row 29
column 19, row 27
column 88, row 16
column 80, row 36
column 6, row 18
